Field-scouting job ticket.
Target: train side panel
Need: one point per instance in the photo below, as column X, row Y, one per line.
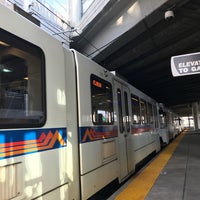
column 34, row 139
column 145, row 133
column 168, row 123
column 97, row 129
column 164, row 132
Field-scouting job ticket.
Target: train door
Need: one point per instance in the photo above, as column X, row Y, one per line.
column 122, row 106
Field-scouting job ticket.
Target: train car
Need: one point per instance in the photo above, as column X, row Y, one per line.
column 165, row 136
column 166, row 132
column 172, row 128
column 167, row 124
column 68, row 127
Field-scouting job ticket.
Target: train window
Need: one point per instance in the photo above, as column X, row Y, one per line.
column 150, row 113
column 126, row 111
column 102, row 101
column 21, row 83
column 143, row 111
column 135, row 109
column 119, row 102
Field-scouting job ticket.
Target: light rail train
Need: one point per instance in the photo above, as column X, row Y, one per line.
column 169, row 124
column 68, row 127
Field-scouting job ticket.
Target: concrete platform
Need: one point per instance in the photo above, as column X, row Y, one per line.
column 180, row 178
column 173, row 175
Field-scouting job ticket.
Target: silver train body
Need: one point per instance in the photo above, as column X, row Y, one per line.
column 68, row 126
column 169, row 124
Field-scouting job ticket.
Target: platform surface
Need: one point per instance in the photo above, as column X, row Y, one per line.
column 173, row 175
column 180, row 178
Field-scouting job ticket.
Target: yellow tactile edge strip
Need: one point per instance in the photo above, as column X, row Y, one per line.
column 143, row 182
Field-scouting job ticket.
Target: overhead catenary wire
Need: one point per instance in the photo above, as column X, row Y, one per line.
column 60, row 32
column 79, row 34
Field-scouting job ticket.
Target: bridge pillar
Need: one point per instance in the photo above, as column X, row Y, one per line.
column 195, row 112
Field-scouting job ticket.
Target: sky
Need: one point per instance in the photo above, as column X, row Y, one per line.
column 59, row 5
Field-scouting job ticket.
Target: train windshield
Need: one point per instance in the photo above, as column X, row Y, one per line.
column 102, row 101
column 21, row 83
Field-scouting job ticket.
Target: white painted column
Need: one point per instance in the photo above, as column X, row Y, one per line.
column 75, row 9
column 195, row 112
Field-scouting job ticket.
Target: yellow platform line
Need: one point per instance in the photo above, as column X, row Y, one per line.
column 143, row 182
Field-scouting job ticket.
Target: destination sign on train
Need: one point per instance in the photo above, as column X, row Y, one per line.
column 186, row 64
